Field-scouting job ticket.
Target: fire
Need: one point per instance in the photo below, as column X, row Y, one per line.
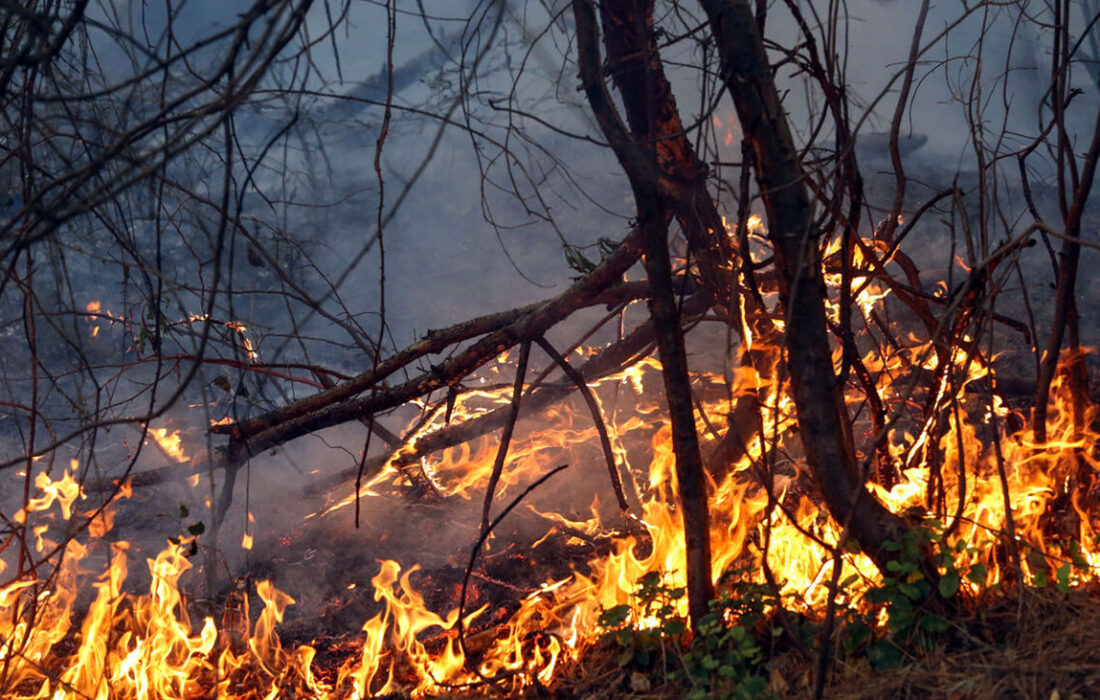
column 238, row 328
column 95, row 313
column 147, row 645
column 170, row 442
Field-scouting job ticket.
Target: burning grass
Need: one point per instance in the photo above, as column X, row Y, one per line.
column 608, row 607
column 579, row 597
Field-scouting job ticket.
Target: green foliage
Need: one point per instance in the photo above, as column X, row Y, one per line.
column 579, row 262
column 913, row 621
column 723, row 660
column 644, row 630
column 726, row 657
column 1062, row 571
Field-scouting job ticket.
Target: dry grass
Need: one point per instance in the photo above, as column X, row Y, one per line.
column 1046, row 647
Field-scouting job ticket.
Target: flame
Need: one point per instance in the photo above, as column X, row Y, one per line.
column 237, row 327
column 171, row 443
column 146, row 645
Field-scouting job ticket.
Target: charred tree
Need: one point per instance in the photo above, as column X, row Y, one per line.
column 824, row 425
column 645, row 164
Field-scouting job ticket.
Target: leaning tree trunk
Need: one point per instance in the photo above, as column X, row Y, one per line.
column 823, row 422
column 647, row 167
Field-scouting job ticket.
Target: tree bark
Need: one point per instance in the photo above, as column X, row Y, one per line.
column 823, row 422
column 639, row 155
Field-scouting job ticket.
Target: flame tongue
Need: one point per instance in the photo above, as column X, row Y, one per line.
column 146, row 645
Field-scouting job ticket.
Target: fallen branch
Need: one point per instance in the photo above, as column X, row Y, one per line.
column 336, row 405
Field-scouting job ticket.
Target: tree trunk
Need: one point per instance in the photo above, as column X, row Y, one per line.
column 823, row 422
column 641, row 160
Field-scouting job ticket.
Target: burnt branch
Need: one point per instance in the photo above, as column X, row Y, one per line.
column 322, row 410
column 638, row 155
column 506, row 434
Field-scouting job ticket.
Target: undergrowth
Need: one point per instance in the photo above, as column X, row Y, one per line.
column 736, row 649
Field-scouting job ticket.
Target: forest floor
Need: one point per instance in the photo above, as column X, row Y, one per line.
column 1045, row 645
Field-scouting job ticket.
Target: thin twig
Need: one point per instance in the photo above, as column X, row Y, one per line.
column 506, row 435
column 597, row 417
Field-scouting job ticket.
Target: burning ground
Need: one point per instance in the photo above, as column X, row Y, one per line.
column 566, row 584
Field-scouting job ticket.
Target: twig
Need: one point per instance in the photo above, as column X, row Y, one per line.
column 473, row 559
column 597, row 417
column 506, row 435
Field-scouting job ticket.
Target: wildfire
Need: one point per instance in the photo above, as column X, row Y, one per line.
column 147, row 645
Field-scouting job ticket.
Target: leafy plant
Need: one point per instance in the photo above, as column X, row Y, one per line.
column 723, row 659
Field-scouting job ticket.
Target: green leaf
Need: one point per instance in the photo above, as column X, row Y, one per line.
column 909, row 591
column 858, row 633
column 613, row 617
column 934, row 623
column 978, row 574
column 607, row 247
column 1042, row 576
column 884, row 655
column 901, row 620
column 197, row 529
column 949, row 584
column 728, row 671
column 577, row 261
column 650, row 579
column 753, row 687
column 1063, row 577
column 184, row 512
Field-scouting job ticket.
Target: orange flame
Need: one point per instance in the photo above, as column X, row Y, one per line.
column 146, row 645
